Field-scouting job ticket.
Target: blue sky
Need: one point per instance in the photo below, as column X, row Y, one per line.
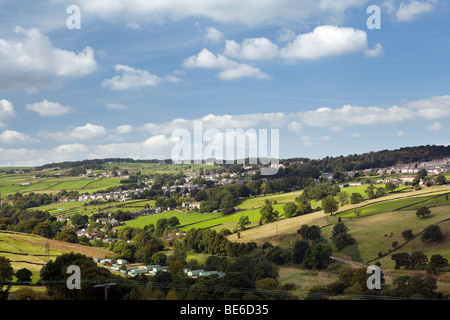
column 138, row 70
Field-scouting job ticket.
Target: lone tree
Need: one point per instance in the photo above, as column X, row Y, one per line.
column 432, row 233
column 268, row 213
column 329, row 204
column 23, row 275
column 423, row 211
column 244, row 221
column 173, row 222
column 407, row 234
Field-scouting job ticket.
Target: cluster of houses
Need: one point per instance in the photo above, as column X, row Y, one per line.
column 123, row 195
column 121, row 265
column 433, row 167
column 188, row 186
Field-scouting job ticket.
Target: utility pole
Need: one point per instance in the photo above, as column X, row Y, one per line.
column 106, row 285
column 47, row 249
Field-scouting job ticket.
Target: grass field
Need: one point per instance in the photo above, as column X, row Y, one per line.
column 411, row 201
column 374, row 232
column 149, row 168
column 29, row 251
column 257, row 202
column 184, row 218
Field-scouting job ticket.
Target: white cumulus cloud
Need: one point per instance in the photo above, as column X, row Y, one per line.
column 48, row 108
column 212, row 35
column 231, row 69
column 432, row 108
column 132, row 78
column 328, row 40
column 88, row 131
column 437, row 126
column 15, row 137
column 408, row 11
column 30, row 61
column 251, row 49
column 349, row 115
column 7, row 111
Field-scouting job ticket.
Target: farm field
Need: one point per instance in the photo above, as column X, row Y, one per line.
column 386, row 228
column 251, row 208
column 411, row 201
column 191, row 219
column 29, row 251
column 376, row 225
column 257, row 202
column 83, row 207
column 203, row 220
column 148, row 168
column 54, row 185
column 12, row 183
column 290, row 226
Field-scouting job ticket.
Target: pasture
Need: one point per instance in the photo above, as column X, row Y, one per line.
column 29, row 251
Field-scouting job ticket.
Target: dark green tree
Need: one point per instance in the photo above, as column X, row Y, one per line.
column 79, row 220
column 68, row 235
column 159, row 258
column 342, row 240
column 161, row 225
column 338, row 228
column 423, row 211
column 437, row 263
column 310, row 232
column 422, row 173
column 356, row 198
column 319, row 257
column 290, row 209
column 391, row 186
column 6, row 275
column 173, row 222
column 329, row 204
column 54, row 276
column 300, row 251
column 268, row 213
column 23, row 275
column 244, row 221
column 418, row 260
column 432, row 233
column 407, row 234
column 401, row 259
column 440, row 179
